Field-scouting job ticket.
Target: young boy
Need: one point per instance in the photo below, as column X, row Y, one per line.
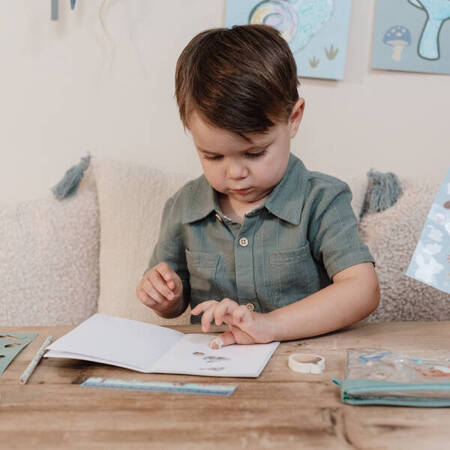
column 258, row 242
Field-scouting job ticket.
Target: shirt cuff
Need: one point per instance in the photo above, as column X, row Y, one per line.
column 336, row 265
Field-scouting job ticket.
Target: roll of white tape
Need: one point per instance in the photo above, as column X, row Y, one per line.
column 305, row 363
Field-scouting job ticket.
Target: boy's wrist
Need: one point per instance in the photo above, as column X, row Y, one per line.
column 274, row 326
column 174, row 309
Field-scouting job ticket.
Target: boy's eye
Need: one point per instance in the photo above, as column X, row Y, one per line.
column 247, row 155
column 256, row 155
column 212, row 157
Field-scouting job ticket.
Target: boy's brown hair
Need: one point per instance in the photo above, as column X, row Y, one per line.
column 242, row 79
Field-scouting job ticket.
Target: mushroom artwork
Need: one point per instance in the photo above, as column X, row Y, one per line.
column 398, row 37
column 437, row 11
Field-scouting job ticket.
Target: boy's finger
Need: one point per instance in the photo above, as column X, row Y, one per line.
column 228, row 319
column 226, row 306
column 160, row 285
column 222, row 340
column 202, row 307
column 208, row 317
column 153, row 293
column 167, row 274
column 146, row 300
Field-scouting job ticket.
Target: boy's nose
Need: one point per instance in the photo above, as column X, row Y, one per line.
column 237, row 171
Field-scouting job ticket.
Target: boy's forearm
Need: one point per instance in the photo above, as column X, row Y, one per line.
column 336, row 306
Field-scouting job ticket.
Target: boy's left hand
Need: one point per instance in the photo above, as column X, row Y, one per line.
column 245, row 326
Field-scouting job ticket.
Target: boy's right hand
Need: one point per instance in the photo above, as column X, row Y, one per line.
column 160, row 288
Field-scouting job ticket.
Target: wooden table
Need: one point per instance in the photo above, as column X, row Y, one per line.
column 280, row 409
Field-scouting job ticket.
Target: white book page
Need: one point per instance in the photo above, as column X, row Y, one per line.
column 117, row 341
column 67, row 355
column 192, row 355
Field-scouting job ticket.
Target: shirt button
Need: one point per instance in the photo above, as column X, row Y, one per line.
column 243, row 242
column 250, row 306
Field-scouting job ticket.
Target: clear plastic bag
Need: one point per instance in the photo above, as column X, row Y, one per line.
column 375, row 376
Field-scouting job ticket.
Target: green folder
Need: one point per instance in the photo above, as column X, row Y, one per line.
column 379, row 392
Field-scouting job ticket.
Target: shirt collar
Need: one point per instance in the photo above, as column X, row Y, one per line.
column 287, row 198
column 285, row 201
column 203, row 202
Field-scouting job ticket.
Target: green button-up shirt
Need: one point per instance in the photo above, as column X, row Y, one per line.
column 287, row 249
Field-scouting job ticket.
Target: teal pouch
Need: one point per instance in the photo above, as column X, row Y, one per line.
column 376, row 392
column 379, row 377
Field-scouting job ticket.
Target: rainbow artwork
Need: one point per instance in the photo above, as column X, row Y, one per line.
column 316, row 30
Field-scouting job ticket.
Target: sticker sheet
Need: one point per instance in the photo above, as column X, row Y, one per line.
column 431, row 259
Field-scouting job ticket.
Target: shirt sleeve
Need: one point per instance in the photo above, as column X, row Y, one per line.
column 170, row 246
column 333, row 231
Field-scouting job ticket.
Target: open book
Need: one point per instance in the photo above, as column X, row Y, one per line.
column 154, row 349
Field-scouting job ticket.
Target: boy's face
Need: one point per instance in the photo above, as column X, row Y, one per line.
column 245, row 172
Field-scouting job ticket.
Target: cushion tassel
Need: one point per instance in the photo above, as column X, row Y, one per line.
column 383, row 191
column 71, row 180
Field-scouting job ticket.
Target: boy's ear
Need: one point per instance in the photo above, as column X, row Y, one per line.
column 296, row 116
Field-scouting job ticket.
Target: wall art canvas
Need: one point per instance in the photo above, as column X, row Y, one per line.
column 316, row 30
column 412, row 35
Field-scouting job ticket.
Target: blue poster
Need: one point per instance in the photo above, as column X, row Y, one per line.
column 412, row 35
column 431, row 260
column 316, row 30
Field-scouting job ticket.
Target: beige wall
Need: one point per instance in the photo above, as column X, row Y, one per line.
column 72, row 86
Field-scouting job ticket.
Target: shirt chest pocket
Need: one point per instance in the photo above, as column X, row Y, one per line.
column 202, row 269
column 291, row 275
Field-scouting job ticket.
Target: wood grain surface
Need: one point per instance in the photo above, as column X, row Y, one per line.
column 280, row 409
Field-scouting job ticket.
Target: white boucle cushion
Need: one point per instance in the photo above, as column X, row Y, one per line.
column 131, row 199
column 49, row 261
column 392, row 236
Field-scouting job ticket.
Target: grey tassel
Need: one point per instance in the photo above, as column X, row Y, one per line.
column 71, row 180
column 383, row 191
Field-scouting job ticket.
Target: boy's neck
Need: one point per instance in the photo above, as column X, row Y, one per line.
column 236, row 210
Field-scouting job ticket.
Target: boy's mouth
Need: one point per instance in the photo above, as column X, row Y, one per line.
column 240, row 191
